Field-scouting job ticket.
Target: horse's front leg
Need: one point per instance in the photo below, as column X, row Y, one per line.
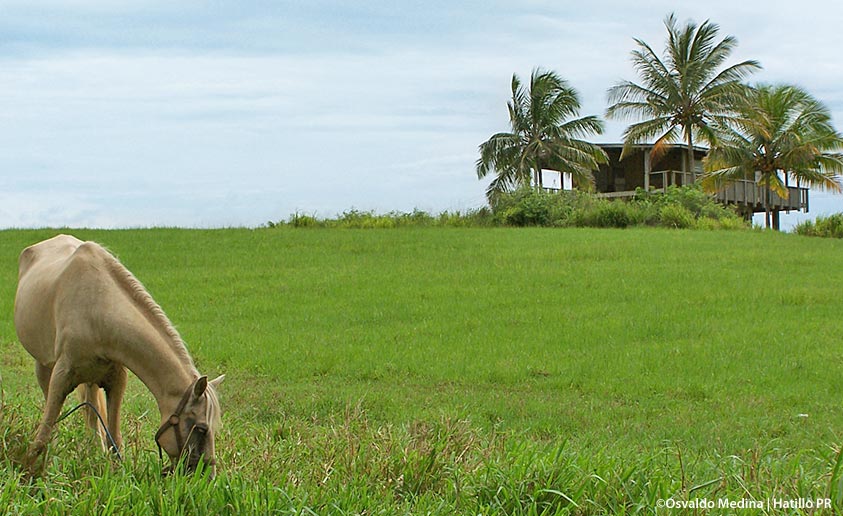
column 61, row 384
column 115, row 387
column 43, row 374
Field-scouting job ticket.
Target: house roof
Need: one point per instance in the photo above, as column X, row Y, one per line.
column 646, row 146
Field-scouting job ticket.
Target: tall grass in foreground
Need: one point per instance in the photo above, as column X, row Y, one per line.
column 349, row 466
column 468, row 371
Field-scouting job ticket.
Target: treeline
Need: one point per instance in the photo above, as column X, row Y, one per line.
column 679, row 207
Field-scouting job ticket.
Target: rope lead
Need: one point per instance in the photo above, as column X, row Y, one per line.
column 104, row 427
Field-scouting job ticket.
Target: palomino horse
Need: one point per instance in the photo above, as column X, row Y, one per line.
column 85, row 319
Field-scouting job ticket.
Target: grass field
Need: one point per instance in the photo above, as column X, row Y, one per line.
column 472, row 371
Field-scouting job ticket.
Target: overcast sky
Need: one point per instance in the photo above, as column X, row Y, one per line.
column 192, row 113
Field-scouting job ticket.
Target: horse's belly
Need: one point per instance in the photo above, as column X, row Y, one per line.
column 91, row 370
column 34, row 322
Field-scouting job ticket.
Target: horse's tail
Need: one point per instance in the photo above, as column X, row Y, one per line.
column 92, row 393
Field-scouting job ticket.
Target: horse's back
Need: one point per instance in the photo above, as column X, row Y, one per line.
column 47, row 252
column 46, row 271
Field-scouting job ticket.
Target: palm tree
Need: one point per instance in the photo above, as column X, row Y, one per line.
column 681, row 91
column 544, row 135
column 777, row 130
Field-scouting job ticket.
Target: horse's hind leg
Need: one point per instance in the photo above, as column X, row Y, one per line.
column 91, row 393
column 43, row 374
column 61, row 384
column 115, row 387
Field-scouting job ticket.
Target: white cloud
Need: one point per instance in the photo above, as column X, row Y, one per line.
column 211, row 114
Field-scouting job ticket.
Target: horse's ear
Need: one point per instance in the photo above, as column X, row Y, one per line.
column 200, row 386
column 215, row 383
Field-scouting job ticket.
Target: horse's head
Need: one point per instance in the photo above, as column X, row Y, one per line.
column 188, row 434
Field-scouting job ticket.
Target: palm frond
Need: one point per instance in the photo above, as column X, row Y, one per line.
column 716, row 180
column 645, row 131
column 778, row 129
column 546, row 127
column 580, row 127
column 663, row 142
column 685, row 88
column 820, row 178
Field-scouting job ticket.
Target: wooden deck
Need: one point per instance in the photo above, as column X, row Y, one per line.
column 746, row 195
column 750, row 195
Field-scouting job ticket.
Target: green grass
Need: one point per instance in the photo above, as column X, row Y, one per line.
column 509, row 371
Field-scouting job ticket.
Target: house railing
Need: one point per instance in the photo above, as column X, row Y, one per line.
column 744, row 193
column 749, row 193
column 664, row 178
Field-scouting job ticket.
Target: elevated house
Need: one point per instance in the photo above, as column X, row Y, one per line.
column 620, row 178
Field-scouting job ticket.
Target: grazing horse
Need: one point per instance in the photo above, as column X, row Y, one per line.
column 85, row 319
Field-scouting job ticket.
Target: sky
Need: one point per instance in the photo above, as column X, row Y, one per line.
column 214, row 114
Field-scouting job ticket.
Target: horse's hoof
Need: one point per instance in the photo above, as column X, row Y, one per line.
column 34, row 467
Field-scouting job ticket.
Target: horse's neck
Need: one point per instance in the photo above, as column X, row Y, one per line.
column 149, row 345
column 152, row 356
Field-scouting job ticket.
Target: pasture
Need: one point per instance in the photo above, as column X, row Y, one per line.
column 493, row 371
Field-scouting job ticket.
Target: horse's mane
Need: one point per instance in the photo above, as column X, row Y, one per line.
column 151, row 310
column 214, row 413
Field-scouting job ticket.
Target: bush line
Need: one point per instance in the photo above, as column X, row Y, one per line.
column 679, row 207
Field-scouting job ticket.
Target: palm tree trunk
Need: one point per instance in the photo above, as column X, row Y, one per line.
column 767, row 221
column 690, row 157
column 539, row 185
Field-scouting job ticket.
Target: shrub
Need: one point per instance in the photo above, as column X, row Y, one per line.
column 676, row 216
column 831, row 226
column 479, row 217
column 732, row 223
column 354, row 218
column 806, row 228
column 416, row 218
column 525, row 207
column 643, row 213
column 692, row 198
column 358, row 219
column 300, row 220
column 717, row 211
column 613, row 215
column 707, row 223
column 679, row 207
column 828, row 227
column 584, row 214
